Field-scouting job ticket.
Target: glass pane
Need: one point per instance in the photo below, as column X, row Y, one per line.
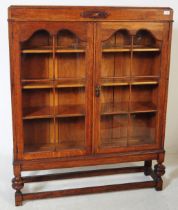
column 144, row 98
column 146, row 55
column 129, row 79
column 36, row 57
column 39, row 135
column 37, row 103
column 114, row 123
column 71, row 65
column 150, row 65
column 116, row 55
column 114, row 99
column 53, row 92
column 142, row 129
column 114, row 130
column 36, row 66
column 115, row 64
column 70, row 55
column 71, row 133
column 71, row 102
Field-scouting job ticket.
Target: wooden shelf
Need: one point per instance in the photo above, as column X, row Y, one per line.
column 114, row 108
column 140, row 140
column 70, row 50
column 126, row 142
column 71, row 145
column 63, row 83
column 132, row 80
column 108, row 84
column 51, row 112
column 70, row 86
column 49, row 49
column 38, row 113
column 146, row 49
column 38, row 50
column 145, row 80
column 114, row 49
column 117, row 142
column 114, row 81
column 123, row 108
column 70, row 111
column 112, row 84
column 134, row 49
column 144, row 83
column 30, row 148
column 142, row 107
column 37, row 85
column 70, row 83
column 39, row 148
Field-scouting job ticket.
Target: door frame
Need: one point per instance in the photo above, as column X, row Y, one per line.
column 104, row 30
column 28, row 28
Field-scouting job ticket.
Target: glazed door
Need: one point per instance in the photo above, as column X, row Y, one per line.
column 56, row 75
column 127, row 86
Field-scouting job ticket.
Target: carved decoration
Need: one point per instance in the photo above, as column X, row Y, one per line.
column 94, row 14
column 17, row 183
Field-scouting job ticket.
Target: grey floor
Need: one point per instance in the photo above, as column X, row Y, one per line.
column 145, row 199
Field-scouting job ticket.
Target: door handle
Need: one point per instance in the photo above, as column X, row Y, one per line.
column 97, row 90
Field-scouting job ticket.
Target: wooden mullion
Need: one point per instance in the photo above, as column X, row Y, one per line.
column 115, row 39
column 54, row 89
column 130, row 92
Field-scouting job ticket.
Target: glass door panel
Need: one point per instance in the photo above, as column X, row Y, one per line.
column 127, row 90
column 55, row 93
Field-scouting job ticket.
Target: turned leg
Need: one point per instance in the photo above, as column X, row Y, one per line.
column 147, row 167
column 159, row 170
column 17, row 184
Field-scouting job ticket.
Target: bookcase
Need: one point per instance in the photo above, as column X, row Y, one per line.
column 89, row 87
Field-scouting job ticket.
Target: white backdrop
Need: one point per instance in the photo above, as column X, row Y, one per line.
column 5, row 104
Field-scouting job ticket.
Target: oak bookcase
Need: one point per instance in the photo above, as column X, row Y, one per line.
column 89, row 87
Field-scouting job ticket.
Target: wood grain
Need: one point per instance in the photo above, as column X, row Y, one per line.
column 58, row 61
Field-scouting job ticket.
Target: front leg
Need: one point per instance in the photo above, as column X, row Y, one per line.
column 17, row 184
column 147, row 167
column 159, row 170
